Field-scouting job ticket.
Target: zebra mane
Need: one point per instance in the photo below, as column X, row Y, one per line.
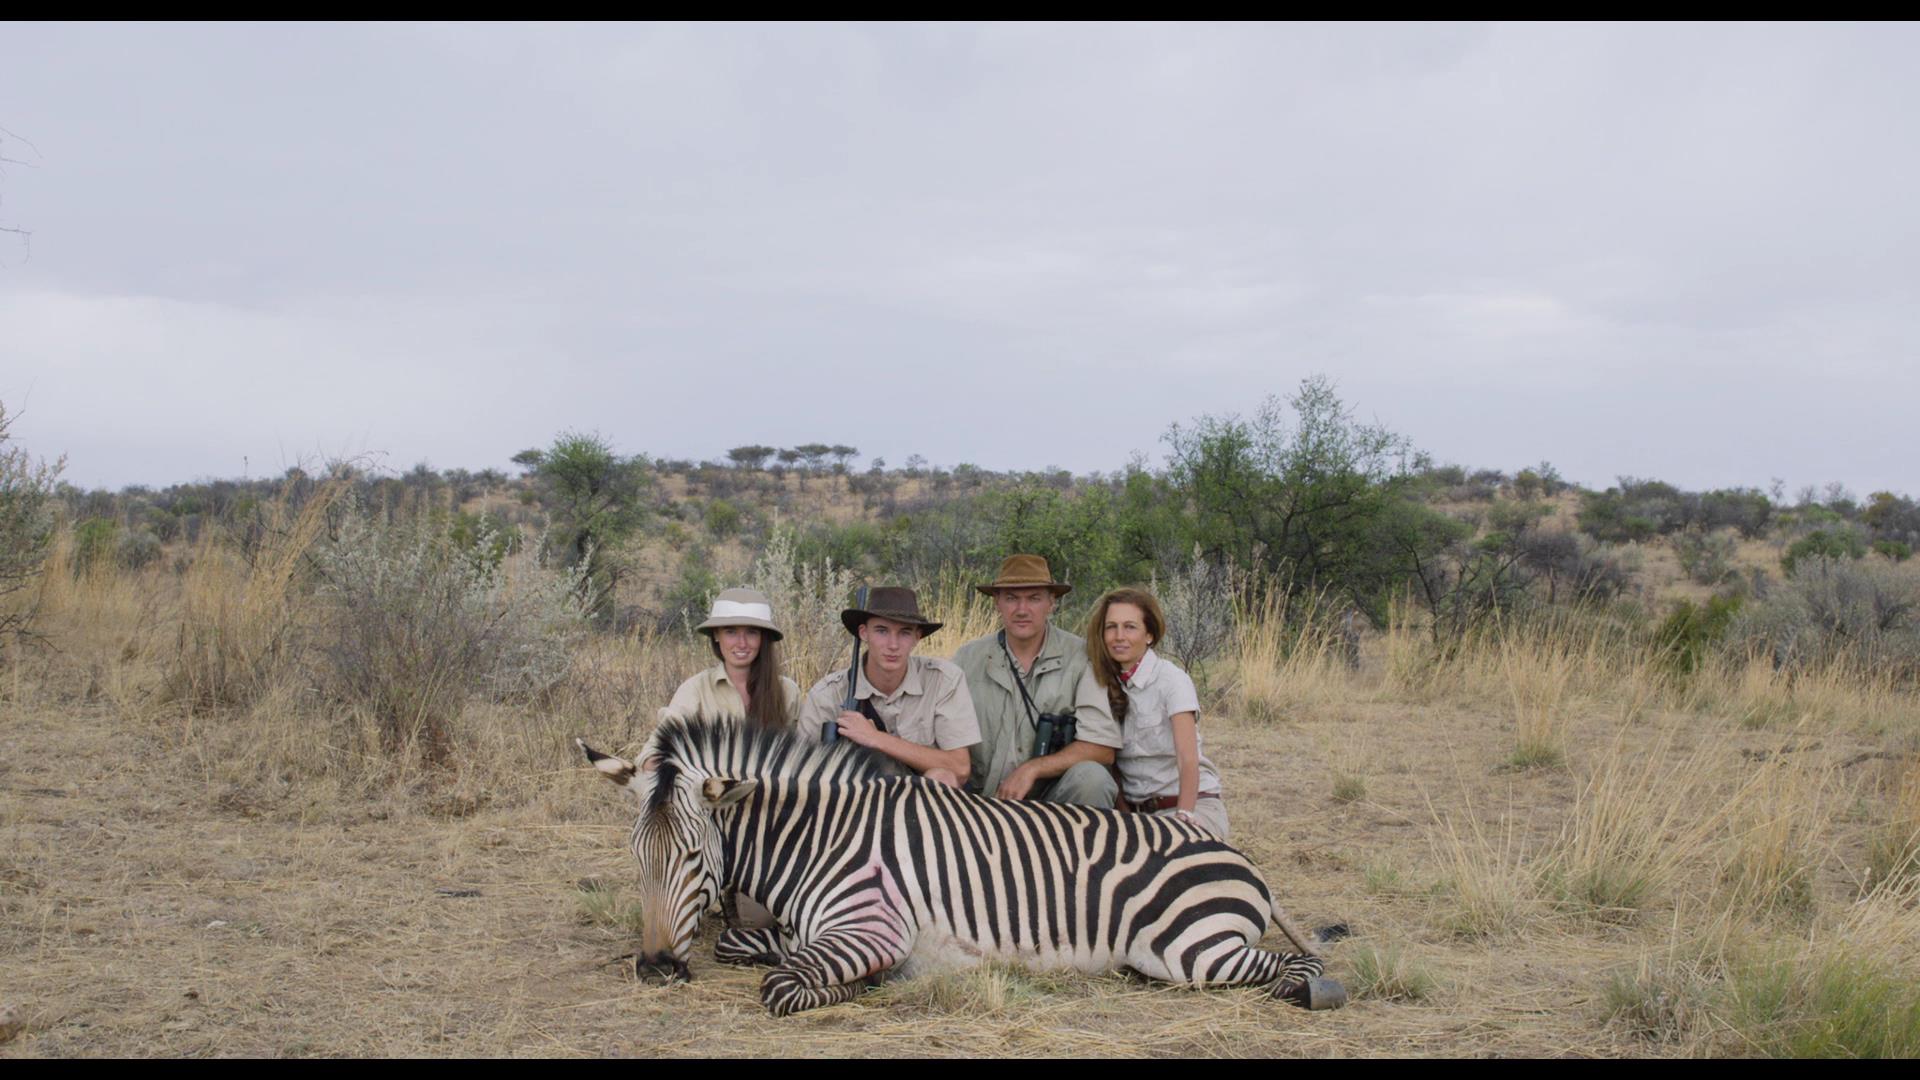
column 739, row 749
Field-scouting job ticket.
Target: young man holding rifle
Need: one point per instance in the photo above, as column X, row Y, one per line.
column 914, row 709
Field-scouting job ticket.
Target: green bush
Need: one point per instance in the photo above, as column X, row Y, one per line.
column 1840, row 543
column 138, row 550
column 1691, row 631
column 722, row 519
column 488, row 537
column 687, row 599
column 1893, row 550
column 1706, row 558
column 95, row 542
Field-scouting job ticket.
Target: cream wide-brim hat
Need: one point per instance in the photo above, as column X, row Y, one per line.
column 741, row 607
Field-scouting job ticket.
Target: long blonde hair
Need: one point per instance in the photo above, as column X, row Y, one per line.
column 1104, row 669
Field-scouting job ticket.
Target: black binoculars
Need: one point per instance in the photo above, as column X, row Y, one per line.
column 1051, row 733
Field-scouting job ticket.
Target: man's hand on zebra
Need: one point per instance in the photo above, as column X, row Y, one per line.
column 857, row 727
column 1019, row 783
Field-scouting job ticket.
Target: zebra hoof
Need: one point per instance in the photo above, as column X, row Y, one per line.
column 1316, row 994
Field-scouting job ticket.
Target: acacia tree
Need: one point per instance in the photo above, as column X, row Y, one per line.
column 813, row 452
column 750, row 457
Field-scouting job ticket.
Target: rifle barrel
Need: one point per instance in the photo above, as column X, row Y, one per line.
column 851, row 702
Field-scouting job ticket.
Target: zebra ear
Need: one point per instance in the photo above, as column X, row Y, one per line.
column 721, row 792
column 618, row 770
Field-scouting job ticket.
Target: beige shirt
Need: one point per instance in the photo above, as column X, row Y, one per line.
column 931, row 707
column 711, row 694
column 1056, row 686
column 1149, row 766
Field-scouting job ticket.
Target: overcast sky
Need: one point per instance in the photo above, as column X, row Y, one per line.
column 1688, row 252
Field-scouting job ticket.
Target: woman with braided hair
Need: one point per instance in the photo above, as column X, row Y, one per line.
column 1162, row 769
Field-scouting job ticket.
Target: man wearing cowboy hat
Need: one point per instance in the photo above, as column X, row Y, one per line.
column 1029, row 669
column 913, row 709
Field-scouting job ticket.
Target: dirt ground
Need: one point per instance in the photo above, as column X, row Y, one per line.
column 156, row 906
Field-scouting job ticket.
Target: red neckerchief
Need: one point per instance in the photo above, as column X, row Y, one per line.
column 1128, row 674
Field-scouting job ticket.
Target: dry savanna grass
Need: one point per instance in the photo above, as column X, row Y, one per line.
column 202, row 857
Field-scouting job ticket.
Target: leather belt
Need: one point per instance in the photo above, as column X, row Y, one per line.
column 1165, row 802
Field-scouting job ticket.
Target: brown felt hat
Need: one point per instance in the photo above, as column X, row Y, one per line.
column 1025, row 572
column 888, row 602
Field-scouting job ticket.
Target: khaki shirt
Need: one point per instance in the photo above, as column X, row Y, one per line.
column 931, row 707
column 1056, row 686
column 1148, row 764
column 711, row 694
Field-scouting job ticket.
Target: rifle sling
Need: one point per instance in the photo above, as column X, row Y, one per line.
column 867, row 710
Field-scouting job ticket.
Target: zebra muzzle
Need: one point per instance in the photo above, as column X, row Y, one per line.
column 662, row 966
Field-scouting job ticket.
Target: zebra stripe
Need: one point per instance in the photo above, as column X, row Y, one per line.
column 866, row 873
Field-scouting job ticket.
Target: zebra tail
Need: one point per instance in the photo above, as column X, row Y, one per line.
column 1301, row 941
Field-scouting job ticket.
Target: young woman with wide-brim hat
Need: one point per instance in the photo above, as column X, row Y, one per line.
column 747, row 681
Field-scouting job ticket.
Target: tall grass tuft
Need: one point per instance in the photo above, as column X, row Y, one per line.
column 1773, row 841
column 1386, row 973
column 1635, row 825
column 1663, row 999
column 963, row 612
column 241, row 610
column 1287, row 655
column 1536, row 676
column 1485, row 890
column 1893, row 852
column 1847, row 998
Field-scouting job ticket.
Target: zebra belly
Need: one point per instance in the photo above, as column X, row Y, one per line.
column 1052, row 891
column 938, row 948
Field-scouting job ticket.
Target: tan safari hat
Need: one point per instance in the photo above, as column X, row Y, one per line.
column 1025, row 572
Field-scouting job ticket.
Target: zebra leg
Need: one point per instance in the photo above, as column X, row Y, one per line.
column 782, row 993
column 749, row 948
column 1225, row 959
column 1295, row 978
column 834, row 967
